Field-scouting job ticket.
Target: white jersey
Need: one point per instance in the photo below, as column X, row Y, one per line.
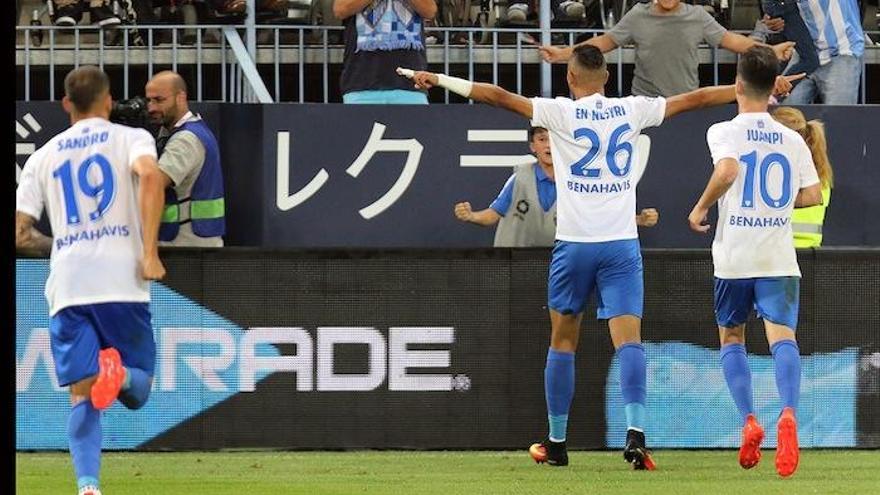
column 593, row 143
column 83, row 177
column 754, row 237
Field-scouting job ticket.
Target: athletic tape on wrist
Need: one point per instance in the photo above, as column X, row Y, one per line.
column 456, row 85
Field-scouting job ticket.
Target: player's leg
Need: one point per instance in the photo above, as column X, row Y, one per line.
column 569, row 286
column 558, row 387
column 777, row 301
column 84, row 437
column 733, row 305
column 126, row 327
column 621, row 300
column 559, row 371
column 735, row 365
column 625, row 335
column 738, row 375
column 786, row 358
column 75, row 349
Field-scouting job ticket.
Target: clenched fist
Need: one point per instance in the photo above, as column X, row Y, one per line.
column 152, row 268
column 648, row 217
column 464, row 212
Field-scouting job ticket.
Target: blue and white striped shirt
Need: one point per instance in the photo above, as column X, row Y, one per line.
column 835, row 26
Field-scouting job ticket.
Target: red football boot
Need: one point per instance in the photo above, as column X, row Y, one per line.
column 752, row 436
column 110, row 378
column 787, row 451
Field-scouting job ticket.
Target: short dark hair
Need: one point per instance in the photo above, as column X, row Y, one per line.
column 758, row 68
column 534, row 130
column 589, row 57
column 83, row 86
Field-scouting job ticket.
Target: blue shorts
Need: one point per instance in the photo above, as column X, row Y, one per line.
column 614, row 267
column 776, row 300
column 77, row 333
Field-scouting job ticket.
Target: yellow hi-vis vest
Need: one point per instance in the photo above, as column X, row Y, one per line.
column 807, row 222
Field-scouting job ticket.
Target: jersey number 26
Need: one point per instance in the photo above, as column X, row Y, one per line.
column 615, row 147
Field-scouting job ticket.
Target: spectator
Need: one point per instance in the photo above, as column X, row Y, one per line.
column 229, row 6
column 795, row 30
column 190, row 161
column 529, row 187
column 807, row 222
column 69, row 12
column 380, row 36
column 452, row 13
column 562, row 10
column 841, row 45
column 666, row 35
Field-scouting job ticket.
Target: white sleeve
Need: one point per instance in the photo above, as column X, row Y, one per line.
column 649, row 112
column 719, row 147
column 29, row 198
column 809, row 175
column 141, row 143
column 548, row 113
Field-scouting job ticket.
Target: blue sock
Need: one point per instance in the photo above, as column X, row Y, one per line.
column 787, row 358
column 633, row 379
column 84, row 434
column 735, row 363
column 558, row 389
column 135, row 389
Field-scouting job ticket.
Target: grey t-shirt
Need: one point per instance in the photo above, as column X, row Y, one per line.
column 666, row 62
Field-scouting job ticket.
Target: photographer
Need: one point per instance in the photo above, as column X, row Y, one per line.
column 189, row 158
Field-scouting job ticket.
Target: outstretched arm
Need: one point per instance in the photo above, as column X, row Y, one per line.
column 700, row 98
column 482, row 92
column 738, row 43
column 719, row 95
column 559, row 54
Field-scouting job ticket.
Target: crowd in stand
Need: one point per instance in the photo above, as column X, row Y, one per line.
column 107, row 13
column 450, row 13
column 827, row 37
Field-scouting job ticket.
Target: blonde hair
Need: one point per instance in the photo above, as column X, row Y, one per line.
column 813, row 132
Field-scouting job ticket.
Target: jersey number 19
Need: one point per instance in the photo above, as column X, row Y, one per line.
column 103, row 191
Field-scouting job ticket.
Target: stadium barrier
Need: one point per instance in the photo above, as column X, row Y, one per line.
column 302, row 63
column 445, row 349
column 378, row 176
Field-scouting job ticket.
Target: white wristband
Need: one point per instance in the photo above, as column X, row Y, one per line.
column 459, row 86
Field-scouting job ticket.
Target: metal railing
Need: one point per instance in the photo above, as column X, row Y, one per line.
column 79, row 45
column 258, row 67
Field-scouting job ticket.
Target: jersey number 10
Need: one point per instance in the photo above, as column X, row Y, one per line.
column 751, row 162
column 103, row 191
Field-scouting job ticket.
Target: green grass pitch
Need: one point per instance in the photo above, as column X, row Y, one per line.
column 370, row 472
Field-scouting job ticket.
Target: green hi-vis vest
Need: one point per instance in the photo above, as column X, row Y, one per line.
column 807, row 222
